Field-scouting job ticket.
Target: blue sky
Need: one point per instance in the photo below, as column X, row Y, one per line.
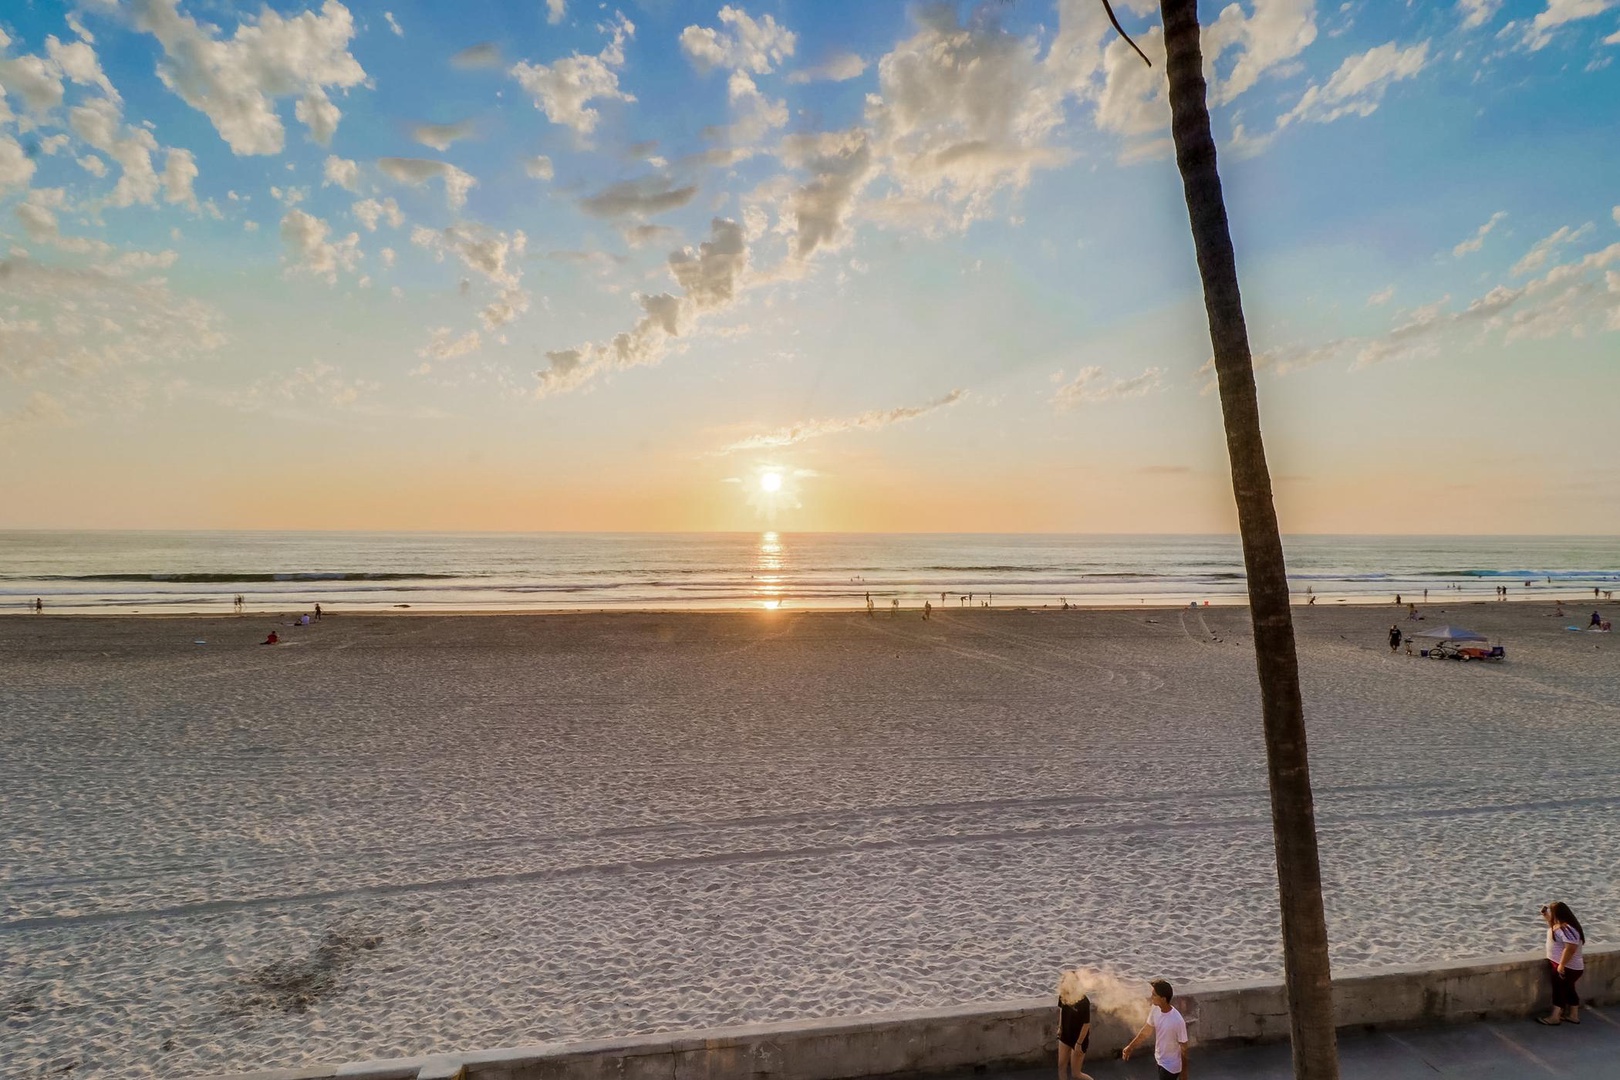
column 553, row 265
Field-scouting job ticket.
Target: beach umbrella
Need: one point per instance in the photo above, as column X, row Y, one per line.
column 1450, row 633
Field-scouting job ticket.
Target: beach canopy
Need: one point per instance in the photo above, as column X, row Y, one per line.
column 1450, row 633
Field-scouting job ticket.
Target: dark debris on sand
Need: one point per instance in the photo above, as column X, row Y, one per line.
column 293, row 986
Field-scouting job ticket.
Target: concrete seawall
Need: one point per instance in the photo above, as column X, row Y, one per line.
column 924, row 1042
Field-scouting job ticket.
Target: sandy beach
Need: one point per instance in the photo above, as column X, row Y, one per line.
column 394, row 835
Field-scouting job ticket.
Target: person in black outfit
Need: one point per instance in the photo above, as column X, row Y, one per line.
column 1074, row 1027
column 1394, row 637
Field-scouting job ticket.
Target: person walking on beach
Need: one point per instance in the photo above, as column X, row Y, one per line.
column 1168, row 1031
column 1394, row 636
column 317, row 613
column 928, row 610
column 1565, row 940
column 1597, row 620
column 39, row 605
column 869, row 612
column 894, row 607
column 1074, row 1027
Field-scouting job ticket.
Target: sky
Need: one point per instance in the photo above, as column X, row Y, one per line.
column 919, row 267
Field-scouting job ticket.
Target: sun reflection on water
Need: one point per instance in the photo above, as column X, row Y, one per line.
column 768, row 571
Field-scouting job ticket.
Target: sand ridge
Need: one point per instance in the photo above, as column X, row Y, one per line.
column 575, row 825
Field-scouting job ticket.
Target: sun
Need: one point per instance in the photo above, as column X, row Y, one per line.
column 770, row 482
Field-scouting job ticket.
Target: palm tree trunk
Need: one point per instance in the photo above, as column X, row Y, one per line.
column 1293, row 814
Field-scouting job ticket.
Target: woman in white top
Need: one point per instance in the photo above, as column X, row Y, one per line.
column 1565, row 940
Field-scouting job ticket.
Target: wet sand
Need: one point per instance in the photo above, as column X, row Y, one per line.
column 393, row 835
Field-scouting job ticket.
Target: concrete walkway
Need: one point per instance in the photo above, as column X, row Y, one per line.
column 1519, row 1050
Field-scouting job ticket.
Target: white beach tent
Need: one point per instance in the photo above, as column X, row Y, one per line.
column 1450, row 633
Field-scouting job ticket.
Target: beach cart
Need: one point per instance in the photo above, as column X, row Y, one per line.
column 1455, row 643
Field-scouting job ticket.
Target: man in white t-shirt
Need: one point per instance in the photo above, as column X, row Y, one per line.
column 1169, row 1034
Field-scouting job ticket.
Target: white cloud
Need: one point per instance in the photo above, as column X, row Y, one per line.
column 1091, row 385
column 496, row 255
column 342, row 172
column 1477, row 12
column 440, row 136
column 179, row 173
column 235, row 82
column 37, row 80
column 1477, row 241
column 710, row 279
column 98, row 122
column 1536, row 257
column 555, row 11
column 93, row 165
column 1273, row 34
column 565, row 89
column 16, row 167
column 643, row 197
column 962, row 112
column 84, row 325
column 840, row 165
column 418, row 171
column 393, row 24
column 1381, row 297
column 77, row 60
column 840, row 67
column 1560, row 12
column 871, row 420
column 308, row 249
column 370, row 211
column 745, row 45
column 540, row 168
column 444, row 345
column 1358, row 85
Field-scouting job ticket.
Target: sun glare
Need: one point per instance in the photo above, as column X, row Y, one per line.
column 770, row 482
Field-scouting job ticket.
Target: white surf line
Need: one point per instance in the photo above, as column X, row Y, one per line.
column 859, row 847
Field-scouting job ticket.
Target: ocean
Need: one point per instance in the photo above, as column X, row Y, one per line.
column 155, row 572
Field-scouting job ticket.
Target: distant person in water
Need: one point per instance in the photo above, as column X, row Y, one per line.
column 1168, row 1031
column 271, row 640
column 1074, row 1027
column 1394, row 637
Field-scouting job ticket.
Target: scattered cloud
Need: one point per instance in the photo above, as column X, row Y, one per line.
column 540, row 168
column 235, row 82
column 393, row 24
column 840, row 67
column 1381, row 297
column 99, row 122
column 342, row 172
column 418, row 171
column 564, row 90
column 370, row 211
column 644, row 197
column 440, row 136
column 745, row 44
column 555, row 11
column 1091, row 385
column 1558, row 13
column 308, row 250
column 179, row 173
column 1359, row 84
column 1477, row 241
column 710, row 278
column 1477, row 13
column 1536, row 257
column 816, row 429
column 486, row 54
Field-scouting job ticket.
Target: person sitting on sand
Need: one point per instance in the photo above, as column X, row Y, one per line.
column 271, row 640
column 1074, row 1027
column 1168, row 1031
column 1565, row 940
